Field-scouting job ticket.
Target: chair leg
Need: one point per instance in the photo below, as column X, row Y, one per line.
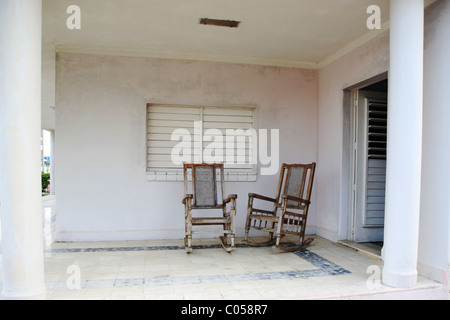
column 271, row 239
column 247, row 228
column 277, row 240
column 224, row 239
column 232, row 226
column 246, row 235
column 248, row 221
column 188, row 244
column 188, row 229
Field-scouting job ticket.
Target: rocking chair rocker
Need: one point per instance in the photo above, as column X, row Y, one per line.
column 290, row 208
column 206, row 180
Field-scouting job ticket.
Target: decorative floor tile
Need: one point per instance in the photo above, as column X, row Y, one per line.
column 323, row 267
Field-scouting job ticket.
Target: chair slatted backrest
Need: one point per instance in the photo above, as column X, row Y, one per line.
column 205, row 184
column 296, row 180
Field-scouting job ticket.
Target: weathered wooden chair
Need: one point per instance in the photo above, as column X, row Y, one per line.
column 207, row 183
column 289, row 213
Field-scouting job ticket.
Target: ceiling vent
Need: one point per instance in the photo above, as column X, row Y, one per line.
column 220, row 23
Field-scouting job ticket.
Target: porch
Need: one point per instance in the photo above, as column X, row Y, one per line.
column 91, row 89
column 161, row 270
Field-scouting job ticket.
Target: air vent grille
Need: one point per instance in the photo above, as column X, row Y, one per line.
column 220, row 23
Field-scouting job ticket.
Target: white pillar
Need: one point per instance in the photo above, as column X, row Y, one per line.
column 435, row 209
column 20, row 133
column 403, row 176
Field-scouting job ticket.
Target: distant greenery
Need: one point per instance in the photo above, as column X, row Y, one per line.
column 45, row 181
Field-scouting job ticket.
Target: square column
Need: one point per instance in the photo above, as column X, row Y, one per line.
column 20, row 134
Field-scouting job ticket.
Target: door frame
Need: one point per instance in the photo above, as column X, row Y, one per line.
column 348, row 163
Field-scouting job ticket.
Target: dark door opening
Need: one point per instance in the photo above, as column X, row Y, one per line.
column 369, row 121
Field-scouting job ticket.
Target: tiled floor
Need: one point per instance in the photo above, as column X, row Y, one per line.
column 161, row 270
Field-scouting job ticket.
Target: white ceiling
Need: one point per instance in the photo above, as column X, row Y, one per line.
column 299, row 33
column 291, row 33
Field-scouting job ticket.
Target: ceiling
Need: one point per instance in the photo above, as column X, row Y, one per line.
column 288, row 33
column 297, row 33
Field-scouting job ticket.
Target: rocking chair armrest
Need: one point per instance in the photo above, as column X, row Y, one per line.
column 296, row 199
column 230, row 198
column 260, row 197
column 186, row 197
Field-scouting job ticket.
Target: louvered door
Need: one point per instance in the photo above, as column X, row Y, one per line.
column 376, row 162
column 370, row 147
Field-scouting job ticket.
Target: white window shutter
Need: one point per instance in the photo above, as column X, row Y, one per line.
column 217, row 135
column 162, row 122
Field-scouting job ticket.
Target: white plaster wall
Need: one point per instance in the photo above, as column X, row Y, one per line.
column 101, row 101
column 361, row 64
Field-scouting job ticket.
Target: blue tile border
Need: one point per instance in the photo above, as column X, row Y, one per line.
column 324, row 268
column 323, row 264
column 142, row 248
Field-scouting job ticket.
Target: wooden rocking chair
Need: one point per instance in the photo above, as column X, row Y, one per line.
column 290, row 208
column 206, row 180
